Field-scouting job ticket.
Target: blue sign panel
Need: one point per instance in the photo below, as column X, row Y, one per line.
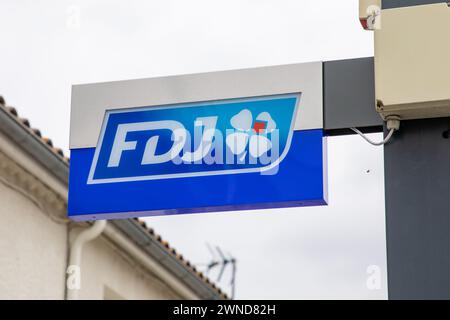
column 196, row 157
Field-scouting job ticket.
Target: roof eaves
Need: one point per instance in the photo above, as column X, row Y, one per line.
column 41, row 149
column 169, row 257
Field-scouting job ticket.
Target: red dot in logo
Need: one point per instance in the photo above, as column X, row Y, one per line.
column 259, row 126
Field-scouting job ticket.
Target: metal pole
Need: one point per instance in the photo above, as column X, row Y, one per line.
column 417, row 186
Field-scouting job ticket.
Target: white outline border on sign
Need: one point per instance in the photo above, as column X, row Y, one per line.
column 91, row 179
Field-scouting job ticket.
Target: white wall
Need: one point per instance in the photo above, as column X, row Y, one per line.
column 32, row 250
column 103, row 267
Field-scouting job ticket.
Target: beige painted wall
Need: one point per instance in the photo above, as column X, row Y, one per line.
column 33, row 257
column 104, row 267
column 32, row 250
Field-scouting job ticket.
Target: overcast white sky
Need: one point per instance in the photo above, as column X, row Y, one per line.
column 322, row 252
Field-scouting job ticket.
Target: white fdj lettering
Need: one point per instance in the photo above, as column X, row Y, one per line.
column 178, row 138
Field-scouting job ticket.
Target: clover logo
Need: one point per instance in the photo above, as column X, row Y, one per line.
column 251, row 133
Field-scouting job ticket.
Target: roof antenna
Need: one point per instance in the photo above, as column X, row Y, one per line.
column 221, row 260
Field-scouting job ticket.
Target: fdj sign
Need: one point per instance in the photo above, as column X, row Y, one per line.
column 227, row 137
column 254, row 146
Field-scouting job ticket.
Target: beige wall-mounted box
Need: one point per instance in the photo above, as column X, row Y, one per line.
column 412, row 62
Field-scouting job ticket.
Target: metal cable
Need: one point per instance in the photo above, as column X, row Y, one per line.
column 386, row 140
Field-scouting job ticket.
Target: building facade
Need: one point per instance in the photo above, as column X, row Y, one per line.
column 126, row 260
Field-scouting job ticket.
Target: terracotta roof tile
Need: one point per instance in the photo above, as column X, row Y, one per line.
column 25, row 122
column 59, row 151
column 35, row 132
column 13, row 111
column 47, row 141
column 187, row 263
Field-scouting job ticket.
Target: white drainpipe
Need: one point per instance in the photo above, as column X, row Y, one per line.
column 127, row 246
column 76, row 249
